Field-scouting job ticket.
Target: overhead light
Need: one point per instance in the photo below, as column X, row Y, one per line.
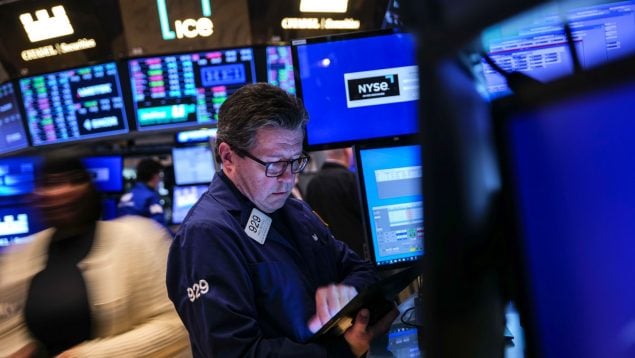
column 323, row 5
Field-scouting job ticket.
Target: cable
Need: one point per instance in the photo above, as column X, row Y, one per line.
column 577, row 67
column 409, row 321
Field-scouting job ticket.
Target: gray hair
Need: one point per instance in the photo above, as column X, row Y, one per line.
column 256, row 106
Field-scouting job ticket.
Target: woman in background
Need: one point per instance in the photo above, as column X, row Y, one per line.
column 84, row 287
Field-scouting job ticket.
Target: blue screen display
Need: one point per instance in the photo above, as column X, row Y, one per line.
column 74, row 104
column 12, row 134
column 573, row 174
column 185, row 90
column 106, row 171
column 535, row 43
column 391, row 180
column 183, row 198
column 358, row 88
column 17, row 175
column 16, row 223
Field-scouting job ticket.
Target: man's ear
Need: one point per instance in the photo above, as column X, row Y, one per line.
column 226, row 155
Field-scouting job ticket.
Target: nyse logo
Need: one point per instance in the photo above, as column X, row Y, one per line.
column 186, row 28
column 47, row 27
column 373, row 87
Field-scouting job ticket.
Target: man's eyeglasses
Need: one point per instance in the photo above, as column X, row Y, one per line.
column 276, row 169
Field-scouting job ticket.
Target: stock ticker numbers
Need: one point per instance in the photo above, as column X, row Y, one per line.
column 74, row 104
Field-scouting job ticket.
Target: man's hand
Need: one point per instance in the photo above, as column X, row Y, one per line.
column 328, row 301
column 360, row 335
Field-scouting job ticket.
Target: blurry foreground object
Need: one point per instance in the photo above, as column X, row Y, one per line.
column 85, row 287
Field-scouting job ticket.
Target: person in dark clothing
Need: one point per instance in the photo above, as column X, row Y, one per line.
column 333, row 194
column 143, row 199
column 253, row 272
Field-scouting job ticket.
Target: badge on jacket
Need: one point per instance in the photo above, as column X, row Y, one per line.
column 258, row 225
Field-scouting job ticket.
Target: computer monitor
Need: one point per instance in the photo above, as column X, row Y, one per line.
column 17, row 222
column 75, row 104
column 280, row 67
column 535, row 43
column 185, row 90
column 194, row 136
column 17, row 175
column 193, row 165
column 109, row 209
column 12, row 134
column 403, row 341
column 392, row 201
column 357, row 87
column 106, row 171
column 183, row 198
column 568, row 154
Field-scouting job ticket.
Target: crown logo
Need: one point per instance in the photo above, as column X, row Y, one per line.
column 47, row 27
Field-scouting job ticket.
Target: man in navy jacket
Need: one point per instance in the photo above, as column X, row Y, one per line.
column 251, row 271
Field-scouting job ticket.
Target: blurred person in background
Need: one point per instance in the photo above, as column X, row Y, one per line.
column 334, row 195
column 143, row 199
column 85, row 287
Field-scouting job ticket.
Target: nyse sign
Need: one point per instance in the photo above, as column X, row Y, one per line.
column 186, row 28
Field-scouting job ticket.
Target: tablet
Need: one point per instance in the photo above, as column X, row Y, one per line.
column 377, row 298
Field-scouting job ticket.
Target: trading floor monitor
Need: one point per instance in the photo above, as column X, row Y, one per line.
column 569, row 159
column 392, row 201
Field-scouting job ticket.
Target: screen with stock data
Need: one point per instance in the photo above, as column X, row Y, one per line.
column 12, row 134
column 280, row 67
column 187, row 89
column 535, row 43
column 74, row 104
column 390, row 179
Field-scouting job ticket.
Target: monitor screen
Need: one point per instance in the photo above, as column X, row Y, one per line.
column 17, row 175
column 280, row 67
column 535, row 43
column 403, row 341
column 571, row 174
column 182, row 90
column 196, row 136
column 74, row 104
column 392, row 202
column 107, row 172
column 16, row 223
column 357, row 87
column 12, row 134
column 109, row 209
column 184, row 197
column 193, row 165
